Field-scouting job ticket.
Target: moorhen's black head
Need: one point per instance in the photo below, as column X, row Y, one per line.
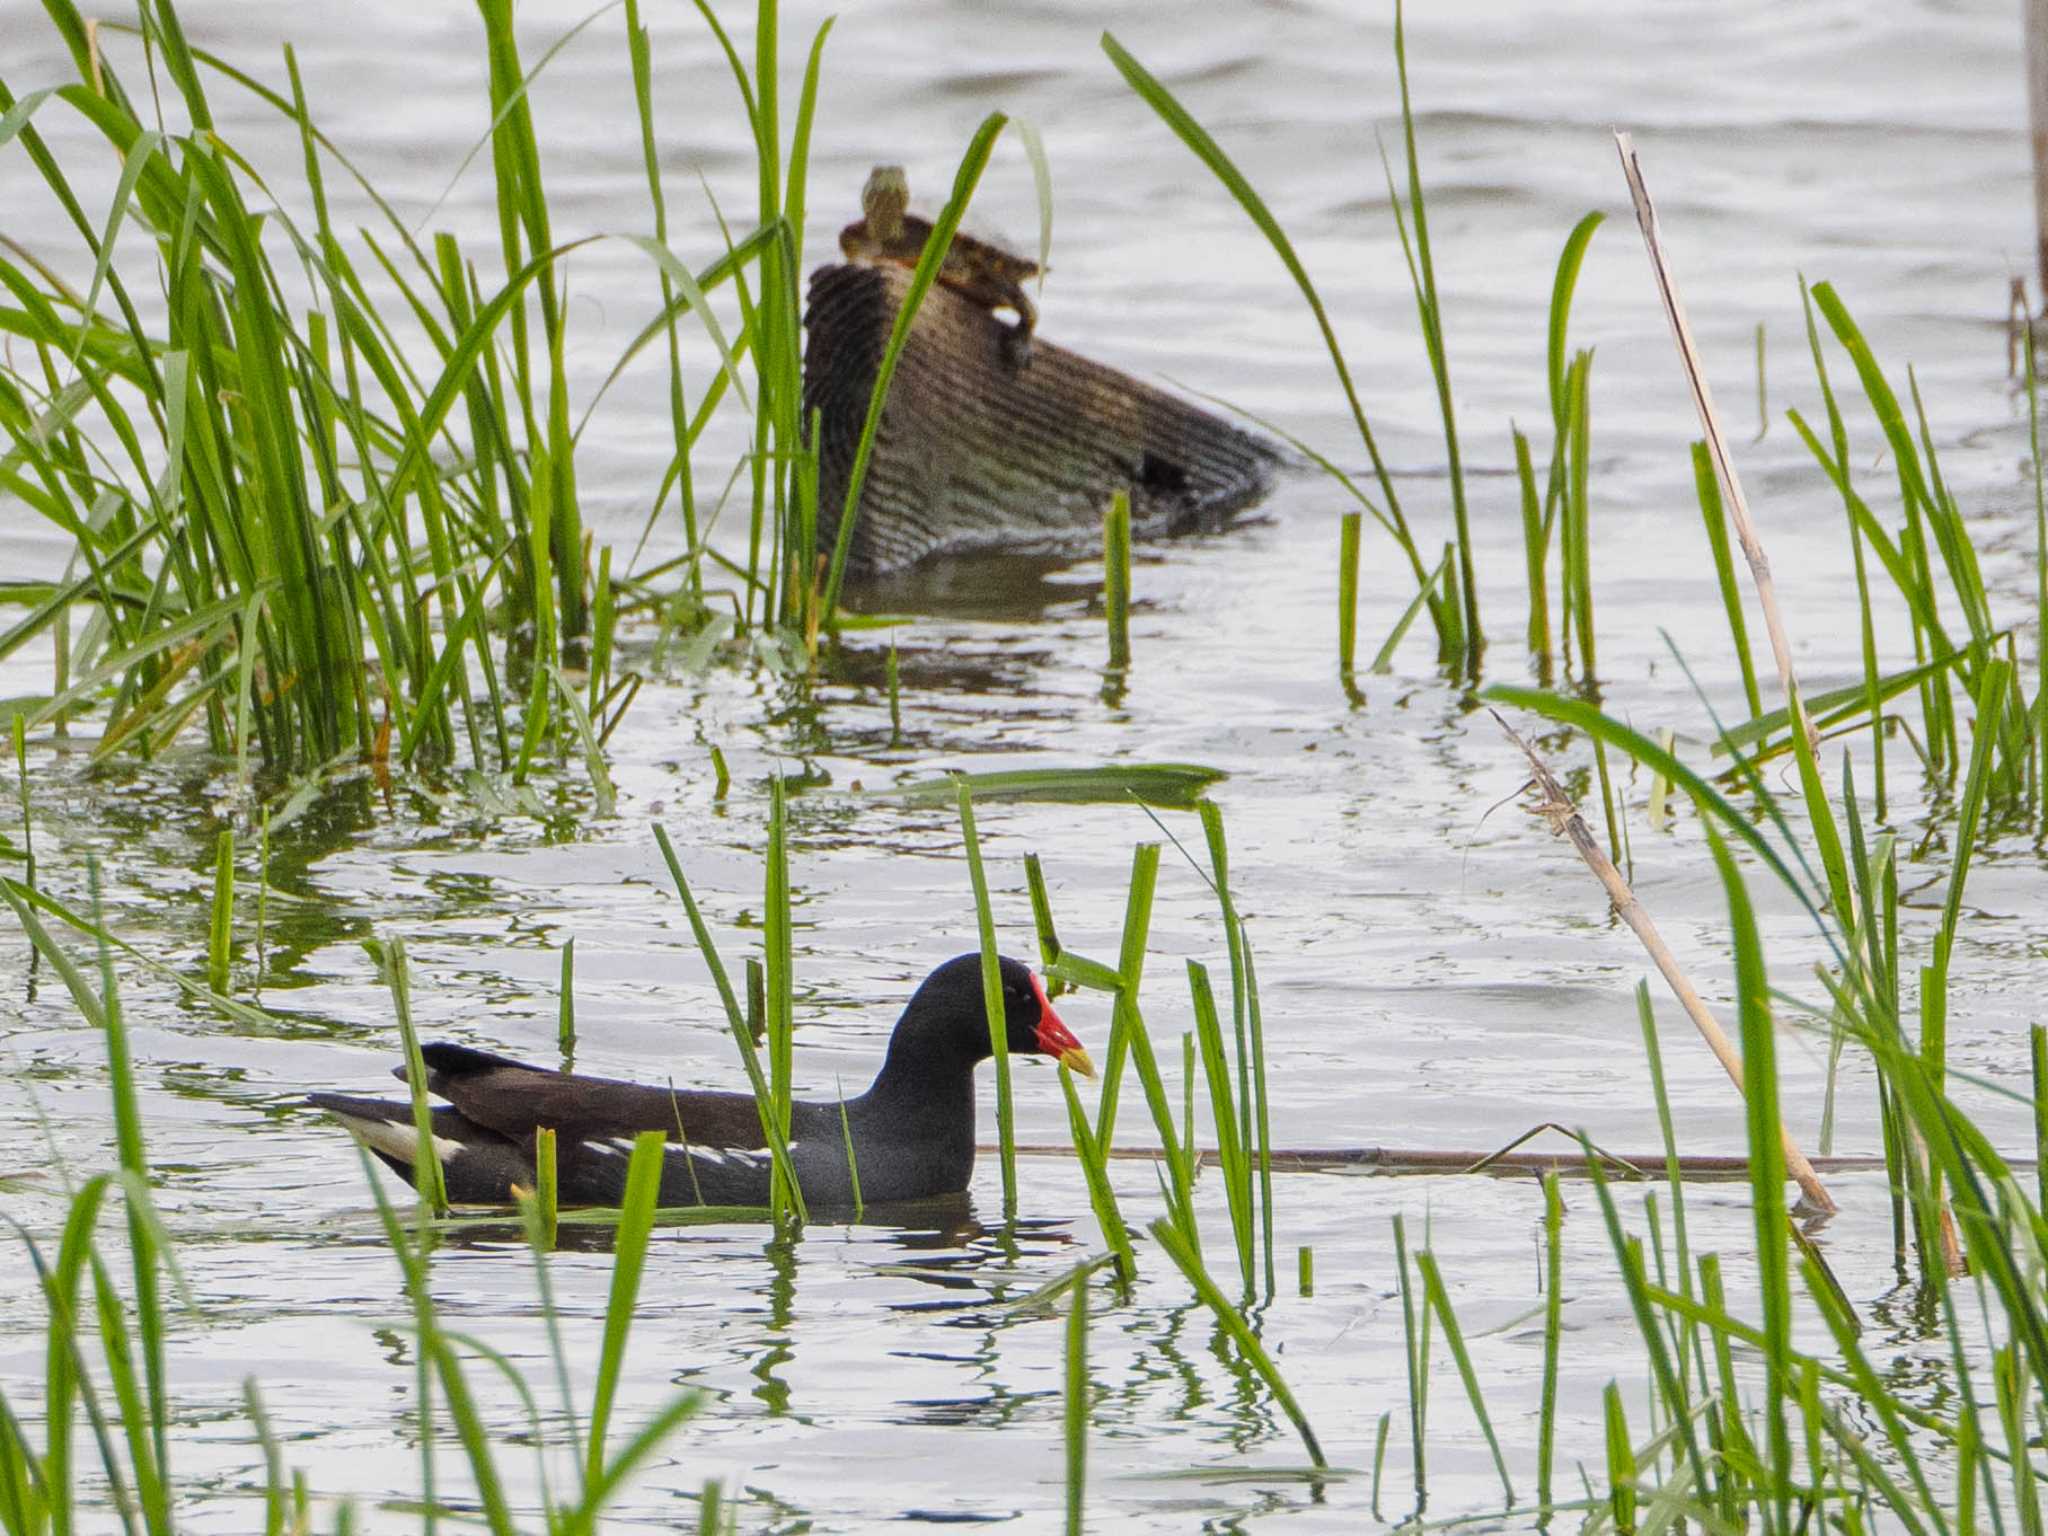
column 946, row 1021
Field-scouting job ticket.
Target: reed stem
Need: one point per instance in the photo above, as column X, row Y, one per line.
column 992, row 1000
column 1116, row 580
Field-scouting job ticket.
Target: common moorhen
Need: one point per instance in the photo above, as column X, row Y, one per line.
column 912, row 1132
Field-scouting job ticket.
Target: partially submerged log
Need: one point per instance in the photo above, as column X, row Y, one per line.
column 976, row 453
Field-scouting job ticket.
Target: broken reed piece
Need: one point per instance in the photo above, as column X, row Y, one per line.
column 1116, row 579
column 1557, row 808
column 978, row 450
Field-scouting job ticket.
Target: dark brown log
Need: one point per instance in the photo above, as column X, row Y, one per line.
column 975, row 452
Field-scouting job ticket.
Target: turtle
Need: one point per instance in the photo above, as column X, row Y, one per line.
column 981, row 273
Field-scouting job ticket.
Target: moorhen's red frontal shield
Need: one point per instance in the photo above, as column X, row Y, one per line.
column 1055, row 1039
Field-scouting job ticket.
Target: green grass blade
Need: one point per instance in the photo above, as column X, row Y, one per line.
column 1176, row 1247
column 1535, row 554
column 1075, row 1413
column 1708, row 485
column 1383, row 658
column 1430, row 310
column 1210, row 153
column 1130, row 973
column 1101, row 1193
column 1439, row 1301
column 1553, row 1325
column 1767, row 1174
column 565, row 1005
column 1990, row 701
column 778, row 930
column 1562, row 287
column 630, row 1457
column 1116, row 580
column 757, row 1080
column 694, row 299
column 1349, row 527
column 1668, row 1376
column 1170, row 786
column 936, row 245
column 391, row 960
column 852, row 1162
column 1180, row 1176
column 1621, row 1462
column 132, row 166
column 629, row 1261
column 992, row 1001
column 1234, row 1165
column 221, row 927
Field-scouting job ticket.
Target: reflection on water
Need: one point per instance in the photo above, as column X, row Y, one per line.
column 1433, row 975
column 1013, row 589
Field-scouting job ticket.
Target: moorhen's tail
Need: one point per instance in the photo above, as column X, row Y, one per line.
column 478, row 1166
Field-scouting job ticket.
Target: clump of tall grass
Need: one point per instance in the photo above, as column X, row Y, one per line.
column 286, row 526
column 328, row 547
column 108, row 1359
column 1808, row 1438
column 1798, row 1452
column 323, row 545
column 1235, row 1088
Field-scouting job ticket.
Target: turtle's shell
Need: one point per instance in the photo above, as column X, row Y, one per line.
column 977, row 255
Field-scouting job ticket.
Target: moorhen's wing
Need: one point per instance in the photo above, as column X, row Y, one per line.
column 515, row 1099
column 737, row 1171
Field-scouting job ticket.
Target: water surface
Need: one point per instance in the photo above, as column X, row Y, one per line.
column 1437, row 972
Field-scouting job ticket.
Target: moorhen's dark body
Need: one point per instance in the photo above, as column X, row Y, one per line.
column 912, row 1131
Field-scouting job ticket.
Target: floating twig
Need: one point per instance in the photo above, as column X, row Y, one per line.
column 1418, row 1161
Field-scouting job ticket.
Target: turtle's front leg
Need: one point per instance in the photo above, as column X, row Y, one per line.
column 1017, row 343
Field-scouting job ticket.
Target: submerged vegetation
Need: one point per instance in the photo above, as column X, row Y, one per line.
column 326, row 547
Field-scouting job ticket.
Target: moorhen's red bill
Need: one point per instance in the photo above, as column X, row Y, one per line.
column 912, row 1132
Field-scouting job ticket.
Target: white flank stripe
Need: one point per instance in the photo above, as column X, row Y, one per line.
column 746, row 1156
column 716, row 1157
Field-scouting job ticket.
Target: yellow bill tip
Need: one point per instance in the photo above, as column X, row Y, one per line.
column 1076, row 1060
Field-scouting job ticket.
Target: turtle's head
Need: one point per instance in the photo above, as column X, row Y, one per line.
column 883, row 200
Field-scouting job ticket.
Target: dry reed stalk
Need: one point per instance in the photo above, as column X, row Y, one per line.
column 1717, row 442
column 1724, row 465
column 1566, row 822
